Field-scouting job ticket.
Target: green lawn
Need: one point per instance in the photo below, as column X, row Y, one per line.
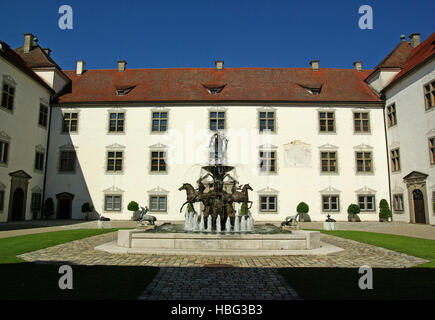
column 22, row 280
column 342, row 283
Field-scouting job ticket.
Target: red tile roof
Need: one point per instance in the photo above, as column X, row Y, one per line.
column 241, row 84
column 397, row 57
column 36, row 57
column 419, row 55
column 10, row 55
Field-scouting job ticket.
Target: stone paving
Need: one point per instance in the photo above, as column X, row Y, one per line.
column 212, row 283
column 355, row 254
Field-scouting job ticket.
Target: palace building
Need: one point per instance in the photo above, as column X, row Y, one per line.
column 325, row 136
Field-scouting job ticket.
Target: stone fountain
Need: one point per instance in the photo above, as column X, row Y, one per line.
column 217, row 191
column 217, row 228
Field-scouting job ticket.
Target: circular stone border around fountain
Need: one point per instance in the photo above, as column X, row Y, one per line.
column 298, row 242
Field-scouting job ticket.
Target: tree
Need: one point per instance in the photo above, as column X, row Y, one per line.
column 353, row 210
column 133, row 206
column 384, row 211
column 48, row 209
column 303, row 209
column 87, row 208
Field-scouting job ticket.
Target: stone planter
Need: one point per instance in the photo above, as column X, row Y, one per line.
column 104, row 224
column 329, row 226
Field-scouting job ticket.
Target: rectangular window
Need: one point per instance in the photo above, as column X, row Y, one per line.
column 67, row 161
column 112, row 203
column 268, row 203
column 114, row 161
column 328, row 161
column 2, row 199
column 4, row 149
column 395, row 160
column 432, row 150
column 217, row 121
column 36, row 201
column 364, row 162
column 327, row 121
column 8, row 94
column 429, row 95
column 70, row 120
column 39, row 161
column 398, row 202
column 366, row 203
column 267, row 121
column 361, row 121
column 43, row 115
column 160, row 121
column 330, row 203
column 158, row 203
column 158, row 162
column 116, row 122
column 391, row 114
column 268, row 161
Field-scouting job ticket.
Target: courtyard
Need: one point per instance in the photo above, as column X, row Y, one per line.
column 404, row 260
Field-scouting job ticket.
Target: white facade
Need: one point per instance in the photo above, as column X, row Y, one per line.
column 297, row 141
column 20, row 129
column 415, row 126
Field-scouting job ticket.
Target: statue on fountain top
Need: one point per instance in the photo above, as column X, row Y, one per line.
column 218, row 149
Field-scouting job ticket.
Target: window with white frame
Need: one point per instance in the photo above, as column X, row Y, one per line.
column 398, row 202
column 266, row 121
column 116, row 122
column 43, row 115
column 70, row 122
column 39, row 161
column 114, row 161
column 330, row 203
column 8, row 96
column 36, row 201
column 4, row 150
column 267, row 161
column 217, row 120
column 268, row 203
column 67, row 161
column 366, row 202
column 159, row 121
column 112, row 202
column 158, row 203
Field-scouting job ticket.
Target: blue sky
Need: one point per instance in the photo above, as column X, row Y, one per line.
column 162, row 34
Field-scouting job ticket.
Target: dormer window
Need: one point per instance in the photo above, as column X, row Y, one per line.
column 214, row 89
column 123, row 91
column 313, row 89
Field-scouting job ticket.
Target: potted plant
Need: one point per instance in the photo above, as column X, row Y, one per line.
column 353, row 210
column 303, row 209
column 384, row 211
column 48, row 208
column 87, row 208
column 134, row 207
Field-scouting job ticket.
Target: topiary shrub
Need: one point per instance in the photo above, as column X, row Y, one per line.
column 353, row 210
column 384, row 211
column 303, row 209
column 87, row 208
column 48, row 208
column 133, row 206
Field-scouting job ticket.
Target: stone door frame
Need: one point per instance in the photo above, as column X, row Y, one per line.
column 416, row 180
column 64, row 196
column 19, row 179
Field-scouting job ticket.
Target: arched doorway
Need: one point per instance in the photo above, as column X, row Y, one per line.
column 18, row 205
column 419, row 213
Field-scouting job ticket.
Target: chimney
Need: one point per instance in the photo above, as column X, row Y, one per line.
column 314, row 65
column 415, row 39
column 357, row 65
column 121, row 65
column 80, row 67
column 28, row 42
column 47, row 51
column 219, row 64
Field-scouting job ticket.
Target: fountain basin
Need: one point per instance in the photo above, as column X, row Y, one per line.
column 140, row 241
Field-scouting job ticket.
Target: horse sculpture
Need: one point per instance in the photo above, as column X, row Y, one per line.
column 240, row 196
column 192, row 194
